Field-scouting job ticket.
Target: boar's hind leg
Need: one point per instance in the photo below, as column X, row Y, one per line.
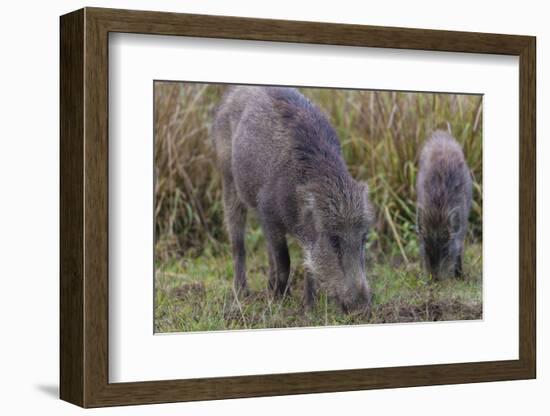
column 235, row 218
column 458, row 266
column 279, row 259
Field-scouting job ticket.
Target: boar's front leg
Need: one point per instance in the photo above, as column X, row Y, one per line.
column 235, row 218
column 279, row 267
column 279, row 259
column 458, row 266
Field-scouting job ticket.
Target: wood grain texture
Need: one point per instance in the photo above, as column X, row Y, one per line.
column 71, row 203
column 528, row 208
column 226, row 27
column 84, row 207
column 96, row 208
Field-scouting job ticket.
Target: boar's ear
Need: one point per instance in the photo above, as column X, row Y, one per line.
column 454, row 221
column 308, row 207
column 369, row 208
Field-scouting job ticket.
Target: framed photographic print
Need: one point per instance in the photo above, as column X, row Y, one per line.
column 256, row 207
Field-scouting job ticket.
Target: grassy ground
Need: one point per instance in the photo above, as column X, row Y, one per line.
column 195, row 294
column 381, row 133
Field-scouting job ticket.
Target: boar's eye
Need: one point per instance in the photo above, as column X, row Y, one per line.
column 335, row 242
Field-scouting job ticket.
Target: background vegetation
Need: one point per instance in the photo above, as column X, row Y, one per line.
column 381, row 134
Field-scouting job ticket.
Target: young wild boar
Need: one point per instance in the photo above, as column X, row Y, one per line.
column 444, row 191
column 279, row 155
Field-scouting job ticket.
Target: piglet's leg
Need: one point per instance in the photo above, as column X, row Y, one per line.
column 458, row 266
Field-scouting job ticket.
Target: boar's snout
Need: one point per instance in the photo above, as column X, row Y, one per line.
column 357, row 300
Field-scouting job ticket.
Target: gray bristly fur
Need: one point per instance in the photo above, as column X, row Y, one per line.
column 444, row 192
column 279, row 155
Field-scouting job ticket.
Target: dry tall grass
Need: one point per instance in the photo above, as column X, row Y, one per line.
column 380, row 132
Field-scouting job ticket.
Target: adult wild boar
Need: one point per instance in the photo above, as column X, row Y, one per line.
column 279, row 155
column 444, row 191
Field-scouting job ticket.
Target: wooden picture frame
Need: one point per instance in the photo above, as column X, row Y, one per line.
column 84, row 207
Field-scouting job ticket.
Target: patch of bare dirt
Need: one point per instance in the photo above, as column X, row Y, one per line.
column 434, row 311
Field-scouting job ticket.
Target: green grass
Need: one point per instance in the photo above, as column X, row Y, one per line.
column 196, row 294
